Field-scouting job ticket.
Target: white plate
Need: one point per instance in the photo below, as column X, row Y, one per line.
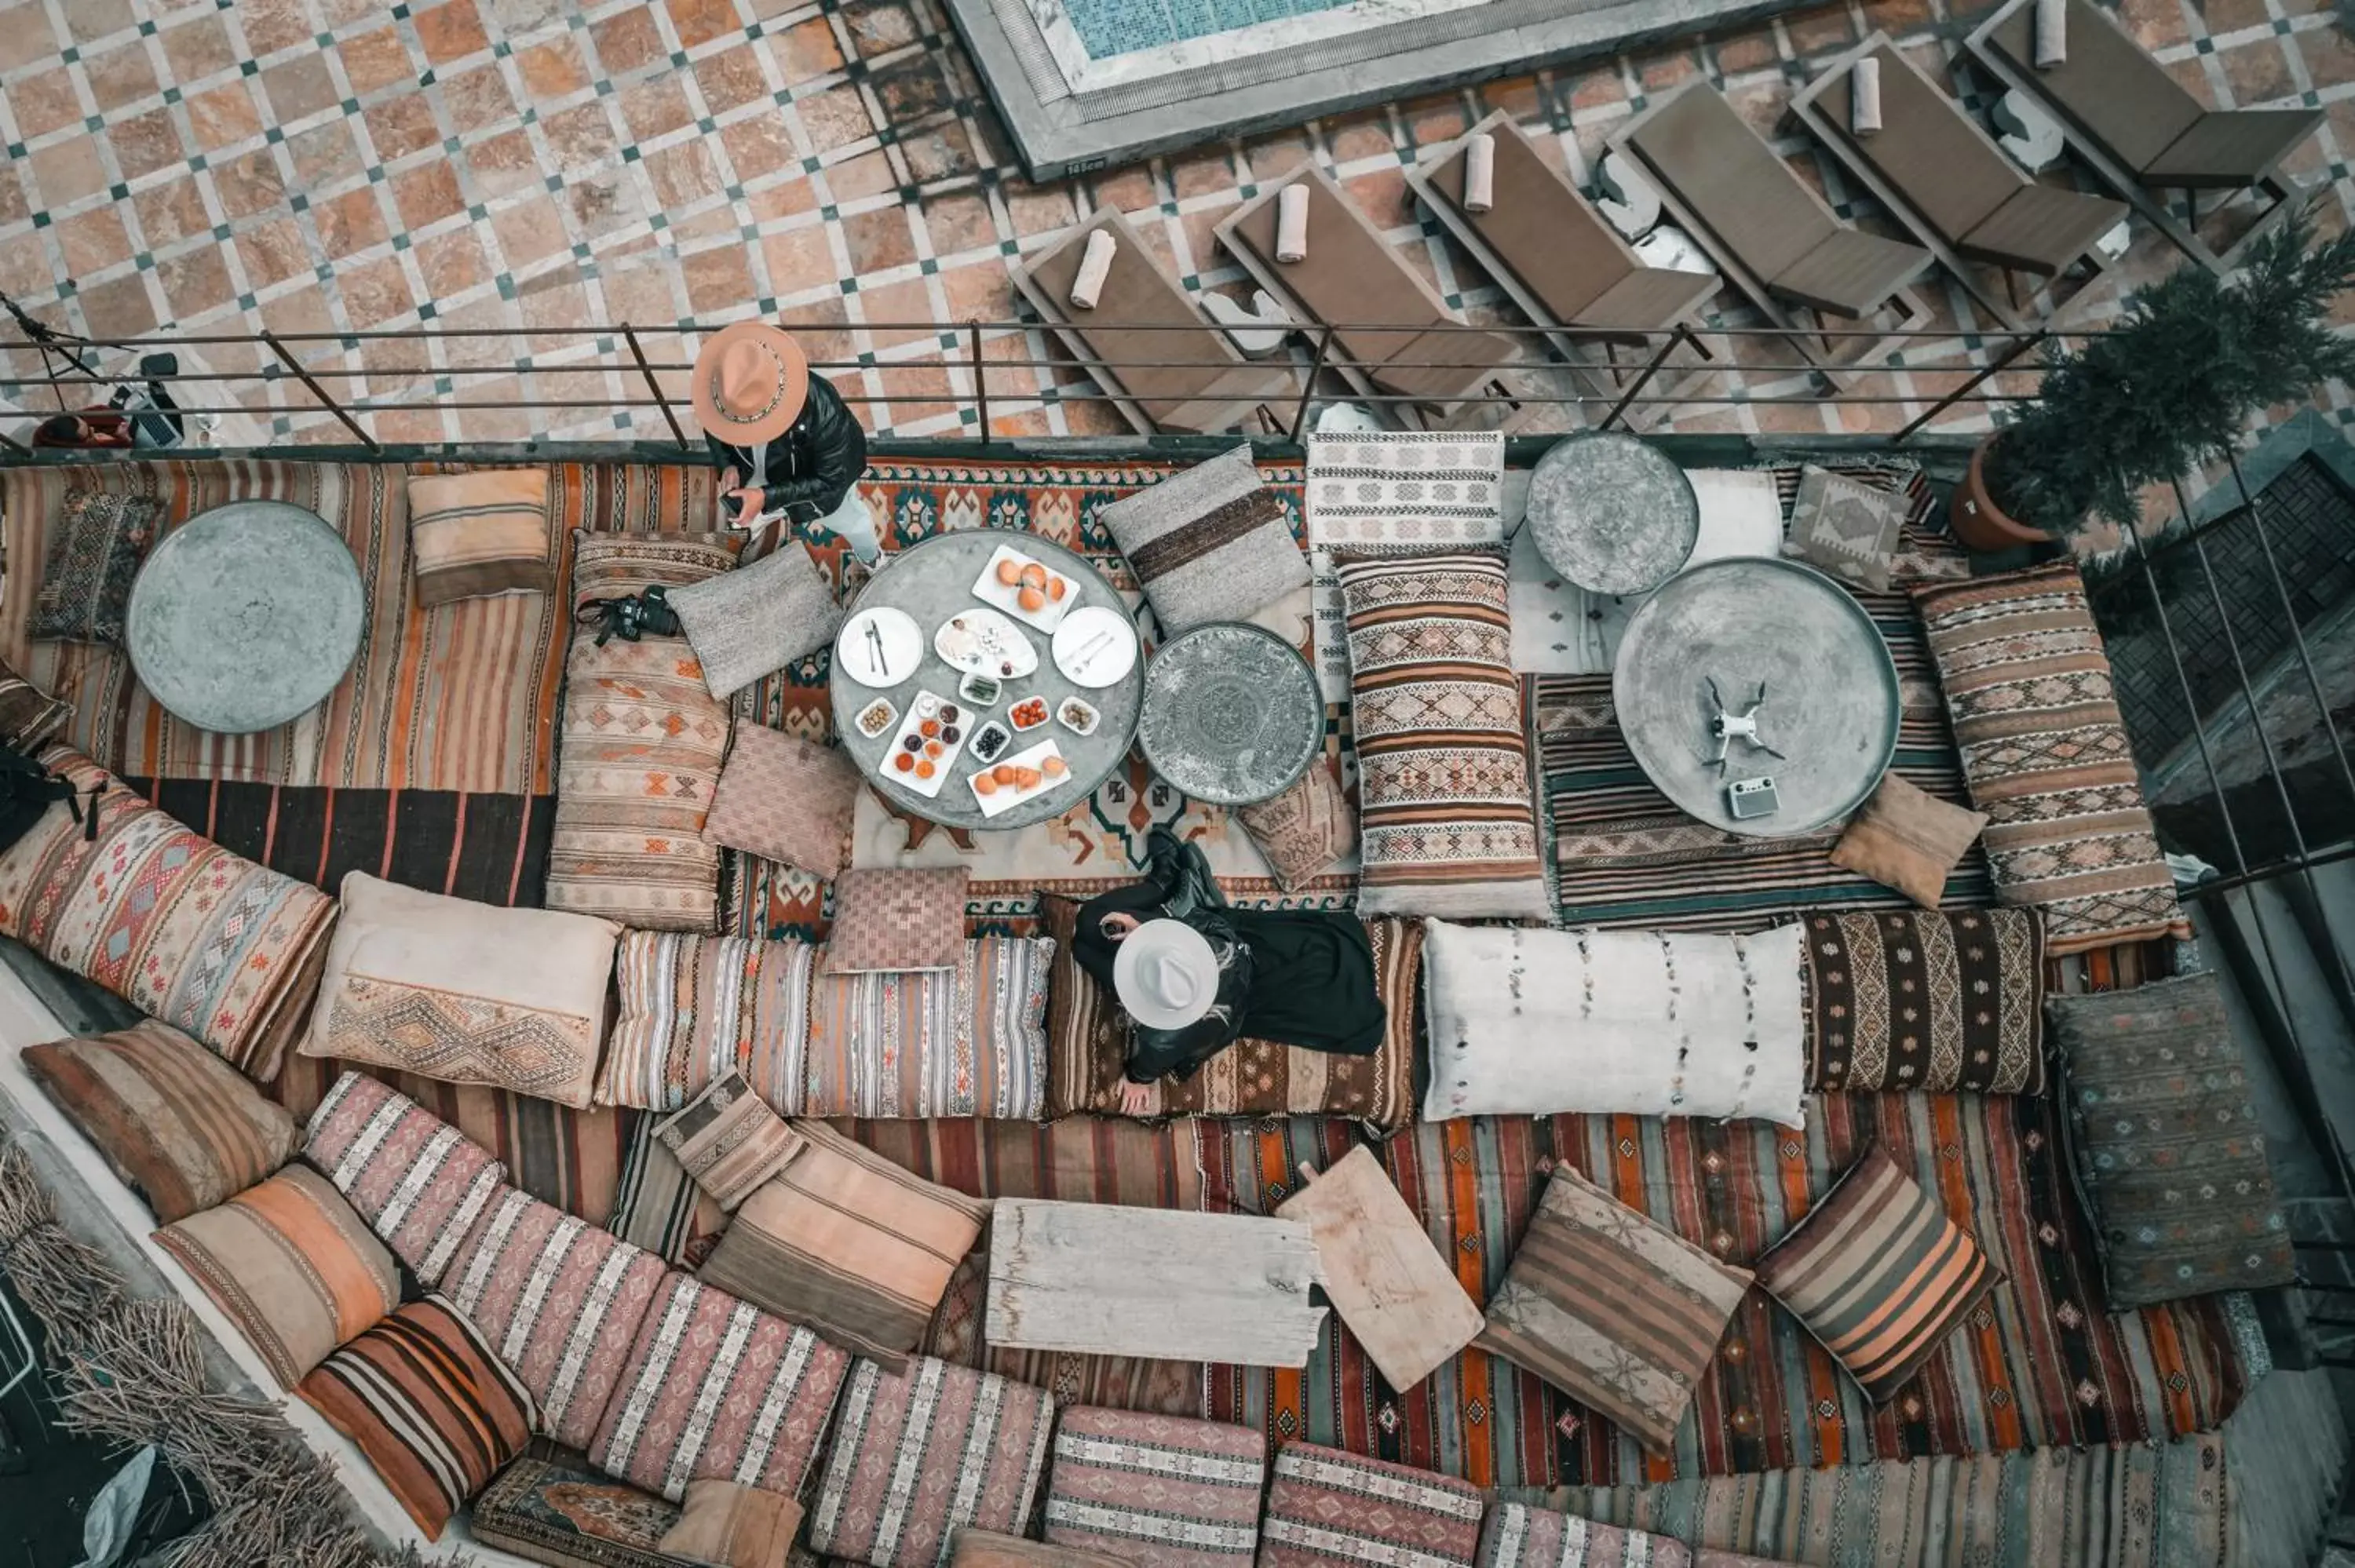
column 990, row 591
column 900, row 638
column 1006, row 796
column 927, row 705
column 1096, row 646
column 983, row 642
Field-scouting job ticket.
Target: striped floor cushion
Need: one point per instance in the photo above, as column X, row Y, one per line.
column 1519, row 1536
column 1159, row 1490
column 418, row 1182
column 434, row 1411
column 1878, row 1273
column 1325, row 1506
column 557, row 1300
column 918, row 1457
column 716, row 1389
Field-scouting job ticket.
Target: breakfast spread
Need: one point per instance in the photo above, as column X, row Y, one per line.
column 928, row 742
column 1009, row 783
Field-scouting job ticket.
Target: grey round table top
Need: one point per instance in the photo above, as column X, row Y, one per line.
column 932, row 580
column 1233, row 713
column 1611, row 513
column 1832, row 706
column 245, row 617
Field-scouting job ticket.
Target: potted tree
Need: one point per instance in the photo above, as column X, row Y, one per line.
column 2170, row 384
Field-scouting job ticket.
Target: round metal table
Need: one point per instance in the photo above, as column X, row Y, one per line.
column 245, row 617
column 1612, row 513
column 1831, row 704
column 932, row 580
column 1233, row 713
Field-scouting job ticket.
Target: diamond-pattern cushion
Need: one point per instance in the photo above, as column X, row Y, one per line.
column 1328, row 1508
column 896, row 918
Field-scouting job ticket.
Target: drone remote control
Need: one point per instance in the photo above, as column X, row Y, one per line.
column 1749, row 797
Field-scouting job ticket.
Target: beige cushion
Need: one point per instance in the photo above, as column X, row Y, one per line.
column 1907, row 840
column 731, row 1525
column 476, row 534
column 466, row 992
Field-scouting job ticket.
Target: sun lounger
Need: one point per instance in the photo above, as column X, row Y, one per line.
column 2140, row 130
column 1949, row 183
column 1563, row 265
column 1770, row 234
column 1187, row 376
column 1391, row 331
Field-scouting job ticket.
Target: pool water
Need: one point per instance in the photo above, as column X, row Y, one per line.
column 1110, row 28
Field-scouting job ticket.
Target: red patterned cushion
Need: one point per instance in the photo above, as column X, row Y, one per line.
column 559, row 1301
column 1328, row 1507
column 418, row 1182
column 716, row 1389
column 1159, row 1490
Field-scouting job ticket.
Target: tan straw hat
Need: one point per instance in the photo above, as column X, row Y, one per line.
column 751, row 381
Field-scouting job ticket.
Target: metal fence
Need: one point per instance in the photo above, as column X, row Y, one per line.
column 1602, row 378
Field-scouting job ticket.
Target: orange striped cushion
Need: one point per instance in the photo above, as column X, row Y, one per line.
column 1879, row 1274
column 474, row 534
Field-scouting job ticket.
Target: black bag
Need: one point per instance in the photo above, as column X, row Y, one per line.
column 27, row 790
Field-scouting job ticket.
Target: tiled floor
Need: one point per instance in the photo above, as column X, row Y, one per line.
column 532, row 166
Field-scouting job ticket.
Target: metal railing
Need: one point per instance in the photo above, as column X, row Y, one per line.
column 1617, row 375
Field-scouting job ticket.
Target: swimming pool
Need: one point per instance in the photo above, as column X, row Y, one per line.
column 1110, row 28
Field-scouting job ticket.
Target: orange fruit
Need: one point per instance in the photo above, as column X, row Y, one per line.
column 1055, row 767
column 1002, row 773
column 1034, row 576
column 982, row 784
column 1024, row 778
column 1056, row 588
column 1009, row 571
column 1031, row 598
column 925, row 769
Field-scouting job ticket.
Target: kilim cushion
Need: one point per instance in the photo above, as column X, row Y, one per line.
column 474, row 534
column 716, row 1388
column 1624, row 1023
column 419, row 1183
column 28, row 715
column 464, row 992
column 1907, row 839
column 1208, row 543
column 1612, row 1307
column 896, row 918
column 728, row 1140
column 1304, row 829
column 205, row 940
column 292, row 1266
column 1878, row 1274
column 1446, row 821
column 2167, row 1150
column 428, row 1404
column 1925, row 1000
column 658, row 1206
column 694, row 1007
column 1088, row 1041
column 1159, row 1490
column 1328, row 1506
column 555, row 1509
column 847, row 1242
column 94, row 553
column 758, row 619
column 2027, row 687
column 615, row 566
column 917, row 1457
column 182, row 1128
column 733, row 1526
column 786, row 799
column 987, row 1549
column 557, row 1300
column 1519, row 1536
column 1849, row 528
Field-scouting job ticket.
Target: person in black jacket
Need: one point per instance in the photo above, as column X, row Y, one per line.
column 788, row 443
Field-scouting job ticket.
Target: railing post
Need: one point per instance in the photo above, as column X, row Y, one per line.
column 1683, row 334
column 630, row 336
column 318, row 391
column 2019, row 345
column 980, row 382
column 1308, row 387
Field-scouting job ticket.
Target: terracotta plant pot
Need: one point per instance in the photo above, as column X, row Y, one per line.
column 1977, row 521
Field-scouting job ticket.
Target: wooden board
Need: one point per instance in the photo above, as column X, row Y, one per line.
column 1107, row 1280
column 1386, row 1279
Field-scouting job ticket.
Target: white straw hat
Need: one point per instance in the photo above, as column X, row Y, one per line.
column 1166, row 974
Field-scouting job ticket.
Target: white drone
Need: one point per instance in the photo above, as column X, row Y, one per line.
column 1725, row 728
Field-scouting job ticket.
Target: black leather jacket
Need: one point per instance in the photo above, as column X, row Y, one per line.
column 813, row 464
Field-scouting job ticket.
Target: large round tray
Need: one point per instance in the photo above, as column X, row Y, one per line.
column 1832, row 703
column 1233, row 713
column 245, row 617
column 1611, row 513
column 932, row 580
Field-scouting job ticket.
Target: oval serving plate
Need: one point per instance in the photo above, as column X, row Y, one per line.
column 982, row 641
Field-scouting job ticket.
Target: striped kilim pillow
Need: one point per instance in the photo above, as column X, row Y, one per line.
column 1519, row 1536
column 1612, row 1307
column 1327, row 1507
column 419, row 1183
column 1878, row 1274
column 474, row 535
column 434, row 1411
column 1159, row 1490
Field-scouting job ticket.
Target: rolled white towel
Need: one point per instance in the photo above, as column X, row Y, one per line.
column 2051, row 34
column 1089, row 281
column 1480, row 173
column 1864, row 96
column 1292, row 222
